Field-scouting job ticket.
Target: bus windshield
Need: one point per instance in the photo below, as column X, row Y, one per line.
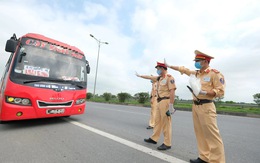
column 38, row 60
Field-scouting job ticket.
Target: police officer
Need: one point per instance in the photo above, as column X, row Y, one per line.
column 209, row 141
column 153, row 100
column 165, row 98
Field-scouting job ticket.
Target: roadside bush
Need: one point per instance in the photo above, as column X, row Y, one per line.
column 257, row 99
column 142, row 97
column 107, row 96
column 123, row 96
column 89, row 95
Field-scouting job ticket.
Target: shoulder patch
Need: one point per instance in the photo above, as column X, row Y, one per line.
column 172, row 81
column 214, row 70
column 222, row 81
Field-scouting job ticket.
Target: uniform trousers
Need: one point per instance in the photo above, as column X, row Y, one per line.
column 209, row 141
column 163, row 123
column 153, row 111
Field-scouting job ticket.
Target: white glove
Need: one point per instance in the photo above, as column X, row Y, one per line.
column 171, row 109
column 137, row 74
column 203, row 92
column 166, row 63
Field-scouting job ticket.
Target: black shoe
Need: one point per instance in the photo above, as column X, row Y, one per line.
column 150, row 141
column 164, row 147
column 149, row 127
column 198, row 160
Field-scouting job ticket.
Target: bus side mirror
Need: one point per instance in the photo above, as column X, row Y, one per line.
column 87, row 67
column 11, row 45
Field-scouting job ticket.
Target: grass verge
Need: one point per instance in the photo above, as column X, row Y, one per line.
column 221, row 108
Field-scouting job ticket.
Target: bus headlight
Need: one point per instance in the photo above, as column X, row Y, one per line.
column 80, row 101
column 10, row 99
column 18, row 101
column 25, row 101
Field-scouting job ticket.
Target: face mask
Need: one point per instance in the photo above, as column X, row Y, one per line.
column 159, row 72
column 197, row 65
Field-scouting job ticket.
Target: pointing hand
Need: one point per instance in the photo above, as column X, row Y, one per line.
column 137, row 74
column 166, row 63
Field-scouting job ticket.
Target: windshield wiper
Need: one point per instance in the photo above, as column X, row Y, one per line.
column 23, row 53
column 73, row 83
column 54, row 80
column 44, row 80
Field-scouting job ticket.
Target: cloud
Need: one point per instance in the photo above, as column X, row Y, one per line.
column 227, row 30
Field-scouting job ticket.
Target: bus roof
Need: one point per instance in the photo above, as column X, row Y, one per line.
column 47, row 39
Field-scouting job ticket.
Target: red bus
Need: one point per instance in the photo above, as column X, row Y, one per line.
column 42, row 78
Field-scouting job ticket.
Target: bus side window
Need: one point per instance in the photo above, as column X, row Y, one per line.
column 7, row 66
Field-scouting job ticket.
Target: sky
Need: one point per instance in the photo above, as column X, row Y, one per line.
column 142, row 32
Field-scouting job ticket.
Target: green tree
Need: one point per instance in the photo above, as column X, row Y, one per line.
column 257, row 98
column 89, row 95
column 123, row 96
column 230, row 102
column 176, row 99
column 142, row 97
column 107, row 96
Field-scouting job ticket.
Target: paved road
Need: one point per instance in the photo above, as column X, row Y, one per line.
column 114, row 133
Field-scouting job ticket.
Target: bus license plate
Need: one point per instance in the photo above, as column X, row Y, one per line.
column 55, row 111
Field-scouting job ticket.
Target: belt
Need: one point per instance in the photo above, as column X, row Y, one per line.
column 162, row 98
column 201, row 101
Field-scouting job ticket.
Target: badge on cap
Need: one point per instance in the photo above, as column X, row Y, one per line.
column 202, row 56
column 159, row 64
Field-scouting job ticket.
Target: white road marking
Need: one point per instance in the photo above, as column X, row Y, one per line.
column 133, row 145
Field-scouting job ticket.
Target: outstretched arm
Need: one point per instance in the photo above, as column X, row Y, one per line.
column 181, row 69
column 146, row 76
column 172, row 67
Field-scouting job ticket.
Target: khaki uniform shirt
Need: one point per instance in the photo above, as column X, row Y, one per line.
column 165, row 84
column 210, row 79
